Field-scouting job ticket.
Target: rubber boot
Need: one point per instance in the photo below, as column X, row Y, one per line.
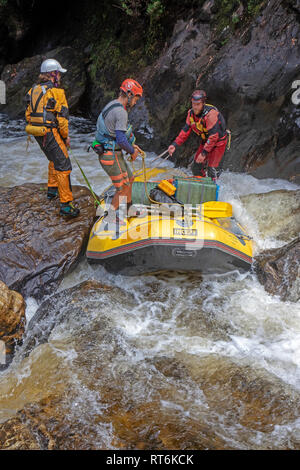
column 68, row 209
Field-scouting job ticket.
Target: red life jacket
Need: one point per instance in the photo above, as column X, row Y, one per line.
column 198, row 123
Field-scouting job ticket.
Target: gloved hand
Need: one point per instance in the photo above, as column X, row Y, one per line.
column 171, row 149
column 137, row 151
column 200, row 158
column 135, row 154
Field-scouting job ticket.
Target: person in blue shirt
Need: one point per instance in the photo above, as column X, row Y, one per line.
column 113, row 136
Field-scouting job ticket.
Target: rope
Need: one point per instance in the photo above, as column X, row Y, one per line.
column 138, row 172
column 29, row 141
column 163, row 204
column 135, row 172
column 143, row 154
column 97, row 202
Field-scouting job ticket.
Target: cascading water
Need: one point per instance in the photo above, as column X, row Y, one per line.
column 156, row 361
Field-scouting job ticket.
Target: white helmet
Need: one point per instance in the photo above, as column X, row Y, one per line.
column 50, row 65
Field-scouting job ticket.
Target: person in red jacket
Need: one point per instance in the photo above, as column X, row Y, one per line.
column 207, row 122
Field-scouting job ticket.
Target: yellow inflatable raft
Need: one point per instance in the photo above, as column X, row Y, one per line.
column 194, row 235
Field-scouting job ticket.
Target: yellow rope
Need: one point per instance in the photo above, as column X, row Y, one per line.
column 229, row 139
column 28, row 142
column 143, row 154
column 138, row 173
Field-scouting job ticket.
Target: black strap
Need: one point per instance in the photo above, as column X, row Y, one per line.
column 115, row 105
column 105, row 113
column 37, row 114
column 31, row 103
column 34, row 108
column 38, row 101
column 109, row 137
column 47, row 84
column 46, row 124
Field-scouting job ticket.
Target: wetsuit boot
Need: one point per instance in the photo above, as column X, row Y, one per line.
column 68, row 209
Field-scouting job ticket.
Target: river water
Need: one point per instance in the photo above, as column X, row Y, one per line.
column 197, row 363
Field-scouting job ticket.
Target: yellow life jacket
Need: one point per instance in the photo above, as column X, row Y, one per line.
column 40, row 115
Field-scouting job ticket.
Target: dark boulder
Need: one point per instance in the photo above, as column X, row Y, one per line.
column 56, row 310
column 12, row 323
column 278, row 270
column 37, row 245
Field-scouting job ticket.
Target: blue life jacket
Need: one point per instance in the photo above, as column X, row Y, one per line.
column 104, row 137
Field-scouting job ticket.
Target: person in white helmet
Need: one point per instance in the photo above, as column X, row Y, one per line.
column 47, row 115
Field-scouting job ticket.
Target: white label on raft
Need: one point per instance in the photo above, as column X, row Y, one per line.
column 185, row 231
column 2, row 92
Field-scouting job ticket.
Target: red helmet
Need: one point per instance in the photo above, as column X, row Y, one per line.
column 198, row 95
column 132, row 86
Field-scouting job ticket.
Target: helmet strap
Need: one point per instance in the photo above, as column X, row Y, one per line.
column 55, row 76
column 129, row 96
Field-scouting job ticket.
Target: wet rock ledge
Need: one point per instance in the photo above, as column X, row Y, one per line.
column 37, row 245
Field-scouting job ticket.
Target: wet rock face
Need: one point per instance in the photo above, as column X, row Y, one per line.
column 279, row 271
column 295, row 4
column 277, row 216
column 248, row 75
column 37, row 245
column 276, row 213
column 12, row 322
column 39, row 427
column 259, row 400
column 170, row 81
column 20, row 77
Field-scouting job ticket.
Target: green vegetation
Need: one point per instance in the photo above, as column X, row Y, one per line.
column 254, row 6
column 155, row 9
column 125, row 36
column 157, row 18
column 234, row 13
